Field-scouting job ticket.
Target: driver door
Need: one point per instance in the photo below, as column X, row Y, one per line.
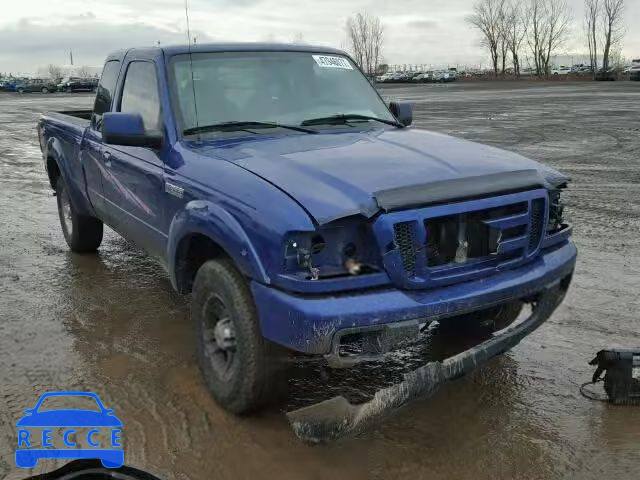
column 133, row 176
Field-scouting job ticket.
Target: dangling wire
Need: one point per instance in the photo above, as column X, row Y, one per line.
column 591, row 395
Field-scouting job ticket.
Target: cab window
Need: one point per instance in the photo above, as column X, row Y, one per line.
column 104, row 95
column 140, row 94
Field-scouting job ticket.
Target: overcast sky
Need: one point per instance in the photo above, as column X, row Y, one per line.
column 34, row 33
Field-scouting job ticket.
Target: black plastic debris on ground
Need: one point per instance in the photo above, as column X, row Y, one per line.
column 352, row 400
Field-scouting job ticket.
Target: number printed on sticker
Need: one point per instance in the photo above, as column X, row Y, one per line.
column 330, row 61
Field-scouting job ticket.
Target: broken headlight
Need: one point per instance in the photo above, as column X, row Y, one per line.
column 332, row 251
column 556, row 212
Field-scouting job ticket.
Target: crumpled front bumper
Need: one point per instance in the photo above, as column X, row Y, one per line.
column 336, row 417
column 311, row 323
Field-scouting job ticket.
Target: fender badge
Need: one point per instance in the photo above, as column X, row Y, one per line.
column 174, row 190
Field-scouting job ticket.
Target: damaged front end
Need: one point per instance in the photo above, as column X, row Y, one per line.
column 365, row 291
column 337, row 417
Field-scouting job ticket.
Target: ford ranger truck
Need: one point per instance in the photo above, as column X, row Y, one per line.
column 300, row 211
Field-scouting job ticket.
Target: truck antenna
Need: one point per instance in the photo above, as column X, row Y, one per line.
column 193, row 85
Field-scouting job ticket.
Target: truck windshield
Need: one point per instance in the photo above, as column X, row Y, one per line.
column 285, row 88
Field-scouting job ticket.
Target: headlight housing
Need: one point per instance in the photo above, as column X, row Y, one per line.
column 339, row 249
column 556, row 212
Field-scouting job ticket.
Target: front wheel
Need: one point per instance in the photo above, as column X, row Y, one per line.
column 21, row 90
column 82, row 233
column 44, row 90
column 241, row 369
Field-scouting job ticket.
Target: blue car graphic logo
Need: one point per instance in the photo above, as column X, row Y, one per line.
column 27, row 453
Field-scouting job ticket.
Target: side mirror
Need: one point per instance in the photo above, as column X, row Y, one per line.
column 403, row 112
column 127, row 129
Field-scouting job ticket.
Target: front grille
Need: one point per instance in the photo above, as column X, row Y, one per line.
column 446, row 244
column 537, row 219
column 466, row 236
column 403, row 237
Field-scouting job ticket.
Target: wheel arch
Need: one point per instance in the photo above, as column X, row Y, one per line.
column 203, row 231
column 53, row 171
column 56, row 166
column 54, row 162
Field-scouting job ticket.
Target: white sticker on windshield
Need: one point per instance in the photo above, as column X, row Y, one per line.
column 329, row 61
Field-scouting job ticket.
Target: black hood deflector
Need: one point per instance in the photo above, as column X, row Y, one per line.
column 459, row 189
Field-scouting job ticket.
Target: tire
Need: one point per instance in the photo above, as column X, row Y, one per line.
column 44, row 90
column 69, row 90
column 248, row 375
column 82, row 233
column 21, row 90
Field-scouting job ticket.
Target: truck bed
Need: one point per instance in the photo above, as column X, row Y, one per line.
column 80, row 118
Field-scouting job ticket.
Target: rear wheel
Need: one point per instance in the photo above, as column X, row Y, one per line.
column 241, row 369
column 82, row 233
column 20, row 90
column 44, row 90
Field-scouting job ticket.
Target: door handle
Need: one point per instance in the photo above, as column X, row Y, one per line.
column 106, row 156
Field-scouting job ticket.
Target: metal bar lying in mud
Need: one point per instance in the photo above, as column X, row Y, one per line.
column 336, row 417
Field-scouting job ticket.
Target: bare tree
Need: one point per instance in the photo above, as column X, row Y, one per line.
column 365, row 36
column 503, row 45
column 487, row 18
column 547, row 29
column 55, row 72
column 535, row 32
column 591, row 15
column 558, row 19
column 83, row 71
column 515, row 32
column 612, row 12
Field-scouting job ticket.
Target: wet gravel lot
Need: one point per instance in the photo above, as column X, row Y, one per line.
column 112, row 325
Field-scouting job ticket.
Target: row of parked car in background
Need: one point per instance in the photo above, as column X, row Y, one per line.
column 43, row 85
column 611, row 73
column 631, row 71
column 438, row 76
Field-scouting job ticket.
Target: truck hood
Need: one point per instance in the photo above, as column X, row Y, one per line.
column 334, row 175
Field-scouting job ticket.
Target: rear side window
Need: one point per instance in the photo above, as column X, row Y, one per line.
column 105, row 92
column 140, row 94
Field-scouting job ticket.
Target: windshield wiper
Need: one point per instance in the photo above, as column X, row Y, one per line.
column 345, row 117
column 231, row 126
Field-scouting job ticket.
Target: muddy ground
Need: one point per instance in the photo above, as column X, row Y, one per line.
column 111, row 324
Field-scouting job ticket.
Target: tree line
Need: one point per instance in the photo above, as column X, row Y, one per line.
column 510, row 29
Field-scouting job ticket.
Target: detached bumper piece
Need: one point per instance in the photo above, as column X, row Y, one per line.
column 336, row 417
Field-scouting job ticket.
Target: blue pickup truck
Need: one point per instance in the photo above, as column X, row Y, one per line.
column 301, row 212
